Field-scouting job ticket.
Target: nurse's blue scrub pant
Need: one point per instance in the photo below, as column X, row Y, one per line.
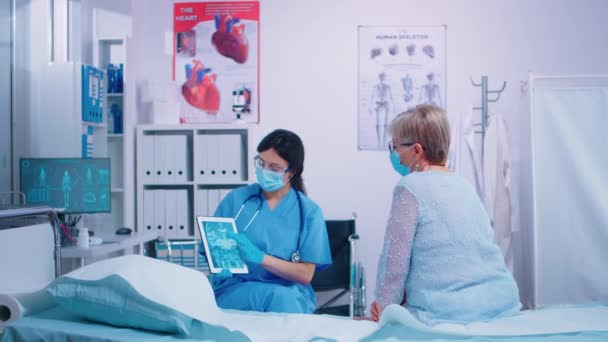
column 265, row 297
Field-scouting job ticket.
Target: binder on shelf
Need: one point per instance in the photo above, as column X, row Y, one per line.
column 231, row 156
column 213, row 200
column 168, row 159
column 200, row 206
column 148, row 210
column 180, row 158
column 223, row 193
column 169, row 151
column 223, row 156
column 201, row 203
column 171, row 213
column 183, row 214
column 202, row 158
column 159, row 212
column 147, row 159
column 213, row 157
column 236, row 163
column 160, row 162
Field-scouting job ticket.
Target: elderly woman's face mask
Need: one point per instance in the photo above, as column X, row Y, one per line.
column 395, row 158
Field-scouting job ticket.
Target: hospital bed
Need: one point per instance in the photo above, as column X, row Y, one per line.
column 54, row 323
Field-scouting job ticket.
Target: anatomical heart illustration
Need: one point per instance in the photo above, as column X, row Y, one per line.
column 200, row 90
column 216, row 61
column 229, row 38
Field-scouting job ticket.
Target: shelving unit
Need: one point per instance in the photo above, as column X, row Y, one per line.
column 113, row 50
column 185, row 171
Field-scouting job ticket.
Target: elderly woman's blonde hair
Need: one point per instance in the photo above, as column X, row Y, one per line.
column 427, row 125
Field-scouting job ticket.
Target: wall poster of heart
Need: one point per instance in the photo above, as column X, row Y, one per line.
column 216, row 60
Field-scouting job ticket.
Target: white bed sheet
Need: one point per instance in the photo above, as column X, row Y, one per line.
column 296, row 327
column 551, row 320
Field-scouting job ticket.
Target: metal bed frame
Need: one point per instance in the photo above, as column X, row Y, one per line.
column 15, row 217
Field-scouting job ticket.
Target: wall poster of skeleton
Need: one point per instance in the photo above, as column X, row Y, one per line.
column 400, row 67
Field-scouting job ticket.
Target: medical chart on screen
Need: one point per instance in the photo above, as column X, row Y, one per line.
column 399, row 68
column 216, row 60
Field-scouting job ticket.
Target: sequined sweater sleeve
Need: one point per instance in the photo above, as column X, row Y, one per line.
column 394, row 263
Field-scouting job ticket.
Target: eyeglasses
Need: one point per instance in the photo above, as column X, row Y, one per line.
column 392, row 146
column 259, row 162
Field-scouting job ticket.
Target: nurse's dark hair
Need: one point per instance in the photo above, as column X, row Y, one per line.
column 288, row 146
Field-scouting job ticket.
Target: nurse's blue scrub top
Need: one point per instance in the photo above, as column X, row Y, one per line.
column 276, row 233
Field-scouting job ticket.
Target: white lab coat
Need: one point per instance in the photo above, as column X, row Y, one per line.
column 463, row 158
column 497, row 184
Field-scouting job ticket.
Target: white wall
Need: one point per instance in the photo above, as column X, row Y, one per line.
column 309, row 83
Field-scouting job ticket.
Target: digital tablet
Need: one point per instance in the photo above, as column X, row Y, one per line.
column 222, row 252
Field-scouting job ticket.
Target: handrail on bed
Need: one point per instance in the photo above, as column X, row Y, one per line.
column 25, row 211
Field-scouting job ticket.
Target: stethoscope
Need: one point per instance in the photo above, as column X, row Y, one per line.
column 295, row 256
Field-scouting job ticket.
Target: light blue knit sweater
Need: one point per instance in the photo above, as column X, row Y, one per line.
column 439, row 248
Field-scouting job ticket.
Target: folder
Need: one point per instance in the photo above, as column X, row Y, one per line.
column 214, row 200
column 201, row 157
column 224, row 155
column 169, row 150
column 159, row 212
column 168, row 159
column 171, row 213
column 213, row 157
column 223, row 193
column 236, row 157
column 148, row 210
column 180, row 158
column 183, row 214
column 159, row 159
column 147, row 158
column 200, row 207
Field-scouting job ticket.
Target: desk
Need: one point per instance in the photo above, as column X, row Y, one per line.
column 109, row 245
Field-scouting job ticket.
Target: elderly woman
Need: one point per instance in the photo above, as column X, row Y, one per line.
column 438, row 246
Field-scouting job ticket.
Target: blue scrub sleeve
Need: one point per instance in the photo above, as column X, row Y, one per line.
column 314, row 247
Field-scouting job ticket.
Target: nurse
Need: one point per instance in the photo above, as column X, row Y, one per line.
column 281, row 233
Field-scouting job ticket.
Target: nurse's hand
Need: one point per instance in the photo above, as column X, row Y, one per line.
column 224, row 274
column 250, row 252
column 220, row 277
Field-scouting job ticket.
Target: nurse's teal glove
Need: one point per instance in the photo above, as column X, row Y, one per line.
column 250, row 252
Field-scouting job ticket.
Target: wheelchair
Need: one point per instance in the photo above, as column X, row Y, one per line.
column 345, row 275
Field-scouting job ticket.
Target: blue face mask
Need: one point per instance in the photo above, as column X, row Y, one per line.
column 396, row 163
column 269, row 180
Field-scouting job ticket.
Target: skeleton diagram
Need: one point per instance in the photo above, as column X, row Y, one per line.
column 408, row 88
column 429, row 93
column 381, row 103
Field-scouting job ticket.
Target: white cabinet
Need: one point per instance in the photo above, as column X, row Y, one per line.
column 185, row 171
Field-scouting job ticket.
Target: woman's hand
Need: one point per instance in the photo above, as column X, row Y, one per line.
column 250, row 252
column 376, row 311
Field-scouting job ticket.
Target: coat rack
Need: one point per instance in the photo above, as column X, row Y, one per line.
column 484, row 107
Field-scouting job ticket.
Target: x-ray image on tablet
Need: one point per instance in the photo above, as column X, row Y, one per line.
column 222, row 251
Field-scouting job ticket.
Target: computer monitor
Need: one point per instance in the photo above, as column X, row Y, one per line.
column 72, row 185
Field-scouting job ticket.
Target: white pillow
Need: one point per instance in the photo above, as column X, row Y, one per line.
column 180, row 288
column 183, row 289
